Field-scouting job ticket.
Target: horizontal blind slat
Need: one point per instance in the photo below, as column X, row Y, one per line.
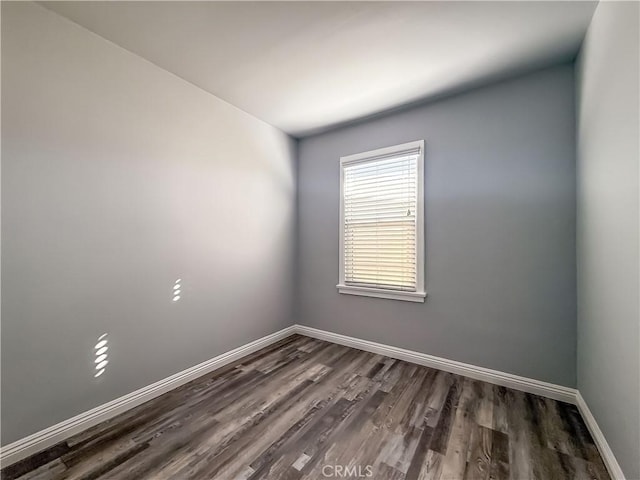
column 391, row 280
column 356, row 233
column 408, row 281
column 398, row 288
column 380, row 262
column 388, row 275
column 398, row 161
column 355, row 185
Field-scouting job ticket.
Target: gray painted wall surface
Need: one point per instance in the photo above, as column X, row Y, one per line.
column 118, row 178
column 500, row 229
column 608, row 238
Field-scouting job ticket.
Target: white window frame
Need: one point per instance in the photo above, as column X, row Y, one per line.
column 420, row 293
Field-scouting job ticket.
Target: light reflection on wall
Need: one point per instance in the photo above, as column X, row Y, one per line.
column 101, row 354
column 177, row 288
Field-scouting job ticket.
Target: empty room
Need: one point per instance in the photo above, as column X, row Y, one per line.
column 255, row 240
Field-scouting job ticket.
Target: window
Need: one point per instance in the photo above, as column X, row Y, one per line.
column 381, row 223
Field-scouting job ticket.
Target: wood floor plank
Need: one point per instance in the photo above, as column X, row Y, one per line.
column 442, row 430
column 23, row 467
column 399, row 450
column 431, row 469
column 581, row 439
column 499, row 468
column 56, row 468
column 103, row 461
column 479, row 453
column 520, row 454
column 500, row 421
column 300, row 406
column 420, row 454
column 389, row 473
column 484, row 417
column 455, row 459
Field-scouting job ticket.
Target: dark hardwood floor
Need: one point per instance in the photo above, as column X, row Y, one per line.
column 304, row 409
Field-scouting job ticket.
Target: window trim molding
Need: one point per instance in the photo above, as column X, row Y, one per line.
column 420, row 293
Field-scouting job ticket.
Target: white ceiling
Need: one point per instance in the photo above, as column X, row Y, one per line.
column 307, row 66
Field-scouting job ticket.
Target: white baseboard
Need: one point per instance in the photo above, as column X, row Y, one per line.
column 50, row 436
column 601, row 442
column 529, row 385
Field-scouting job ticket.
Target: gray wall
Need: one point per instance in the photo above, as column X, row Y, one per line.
column 608, row 238
column 118, row 178
column 500, row 229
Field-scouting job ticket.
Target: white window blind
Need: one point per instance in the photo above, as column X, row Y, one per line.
column 381, row 215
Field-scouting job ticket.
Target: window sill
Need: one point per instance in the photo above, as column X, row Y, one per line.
column 380, row 293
